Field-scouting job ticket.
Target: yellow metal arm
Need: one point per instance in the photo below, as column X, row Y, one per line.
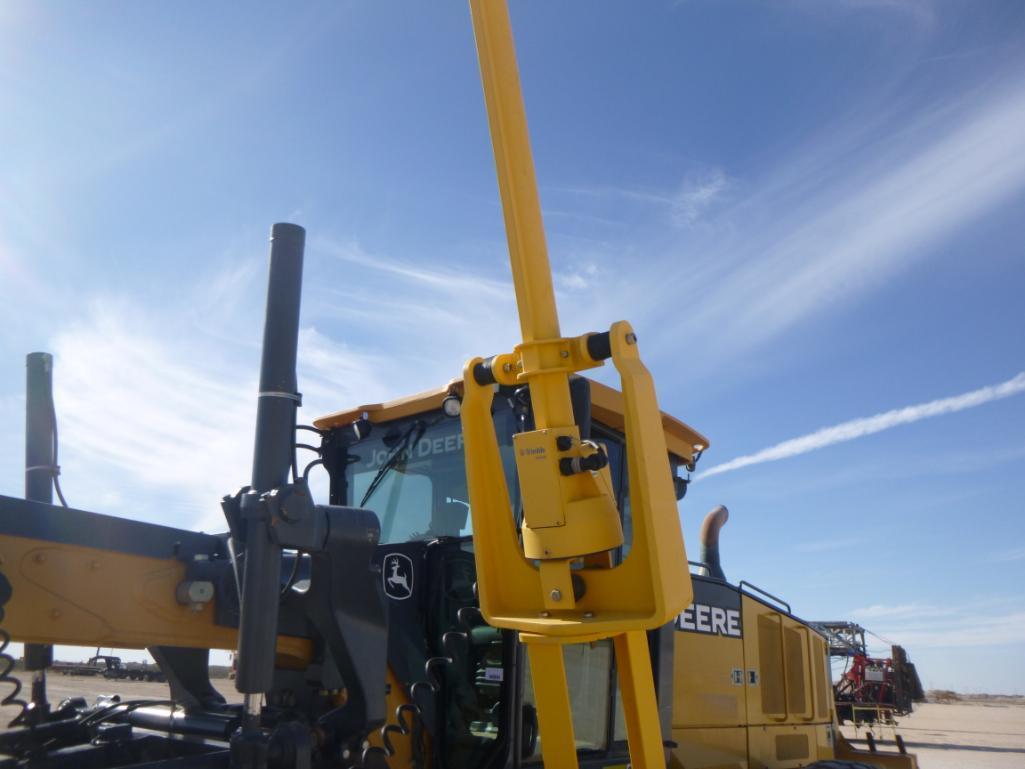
column 84, row 596
column 528, row 252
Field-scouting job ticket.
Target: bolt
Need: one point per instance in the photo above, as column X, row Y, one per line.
column 588, row 615
column 39, row 557
column 631, row 338
column 544, row 614
column 556, row 595
column 564, row 353
column 506, row 367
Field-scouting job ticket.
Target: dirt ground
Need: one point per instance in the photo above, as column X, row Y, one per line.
column 978, row 735
column 960, row 735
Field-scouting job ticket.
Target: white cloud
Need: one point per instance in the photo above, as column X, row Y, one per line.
column 333, row 376
column 923, row 11
column 899, row 610
column 429, row 320
column 159, row 425
column 989, row 621
column 451, row 281
column 858, row 428
column 830, row 221
column 923, row 627
column 140, row 408
column 697, row 195
column 156, row 405
column 1014, row 554
column 577, row 279
column 968, row 630
column 833, row 221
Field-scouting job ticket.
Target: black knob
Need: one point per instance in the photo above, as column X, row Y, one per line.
column 590, row 463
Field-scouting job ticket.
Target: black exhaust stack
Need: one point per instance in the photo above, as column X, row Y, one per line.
column 40, row 471
column 343, row 604
column 272, row 460
column 713, row 522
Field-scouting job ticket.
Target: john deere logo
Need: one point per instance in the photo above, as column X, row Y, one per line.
column 712, row 620
column 397, row 574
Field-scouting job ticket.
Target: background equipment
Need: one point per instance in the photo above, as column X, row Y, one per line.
column 870, row 689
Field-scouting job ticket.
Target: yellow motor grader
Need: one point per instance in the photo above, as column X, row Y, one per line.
column 498, row 579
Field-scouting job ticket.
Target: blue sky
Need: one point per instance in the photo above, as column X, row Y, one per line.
column 811, row 212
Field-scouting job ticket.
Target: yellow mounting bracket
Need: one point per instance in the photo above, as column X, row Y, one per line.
column 551, row 582
column 553, row 579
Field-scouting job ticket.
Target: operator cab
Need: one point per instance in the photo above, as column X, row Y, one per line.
column 404, row 460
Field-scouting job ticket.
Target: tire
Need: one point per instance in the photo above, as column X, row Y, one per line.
column 839, row 765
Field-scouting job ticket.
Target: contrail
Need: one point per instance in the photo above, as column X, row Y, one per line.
column 857, row 428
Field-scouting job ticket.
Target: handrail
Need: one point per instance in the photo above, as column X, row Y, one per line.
column 758, row 590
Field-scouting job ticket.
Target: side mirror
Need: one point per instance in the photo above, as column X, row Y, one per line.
column 680, row 486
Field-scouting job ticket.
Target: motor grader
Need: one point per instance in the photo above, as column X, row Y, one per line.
column 739, row 680
column 498, row 579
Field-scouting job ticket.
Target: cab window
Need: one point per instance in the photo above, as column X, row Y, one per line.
column 412, row 473
column 589, row 680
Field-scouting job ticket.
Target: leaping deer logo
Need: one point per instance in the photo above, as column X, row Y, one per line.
column 398, row 576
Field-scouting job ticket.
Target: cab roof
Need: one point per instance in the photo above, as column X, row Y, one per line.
column 606, row 408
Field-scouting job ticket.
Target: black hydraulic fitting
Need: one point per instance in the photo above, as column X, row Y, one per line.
column 483, row 373
column 599, row 346
column 590, row 463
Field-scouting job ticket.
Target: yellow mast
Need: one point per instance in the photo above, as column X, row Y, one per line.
column 528, row 252
column 553, row 579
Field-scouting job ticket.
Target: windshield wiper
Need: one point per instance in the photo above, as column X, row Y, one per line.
column 399, row 453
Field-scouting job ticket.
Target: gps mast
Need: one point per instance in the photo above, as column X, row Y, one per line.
column 562, row 585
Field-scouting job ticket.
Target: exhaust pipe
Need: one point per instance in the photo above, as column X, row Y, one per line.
column 40, row 471
column 272, row 459
column 713, row 522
